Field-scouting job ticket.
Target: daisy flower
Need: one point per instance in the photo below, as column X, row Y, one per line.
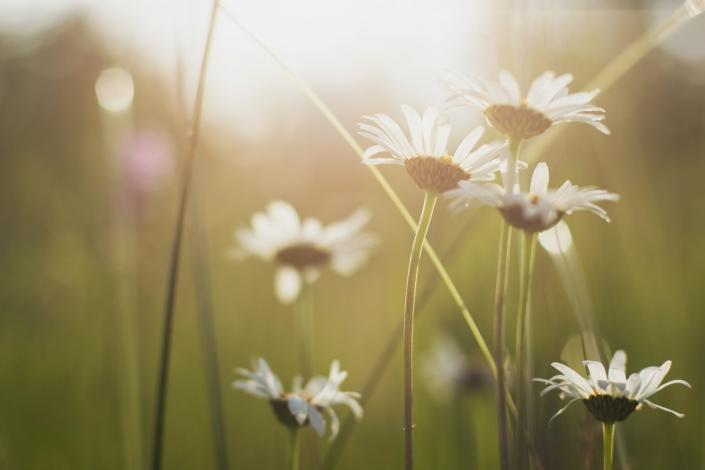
column 303, row 248
column 548, row 102
column 425, row 155
column 303, row 405
column 609, row 395
column 539, row 209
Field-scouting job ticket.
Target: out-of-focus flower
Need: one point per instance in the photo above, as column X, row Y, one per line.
column 547, row 103
column 540, row 208
column 303, row 405
column 302, row 248
column 147, row 160
column 426, row 156
column 610, row 396
column 694, row 7
column 448, row 371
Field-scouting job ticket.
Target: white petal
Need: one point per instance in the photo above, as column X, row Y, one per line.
column 597, row 370
column 467, row 144
column 574, row 377
column 618, row 367
column 560, row 412
column 299, row 408
column 539, row 180
column 319, row 425
column 511, row 86
column 663, row 408
column 287, row 284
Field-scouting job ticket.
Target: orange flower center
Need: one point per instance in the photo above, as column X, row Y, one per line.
column 521, row 123
column 435, row 174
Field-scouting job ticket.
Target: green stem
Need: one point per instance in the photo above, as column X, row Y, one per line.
column 377, row 174
column 175, row 257
column 505, row 240
column 409, row 302
column 304, row 313
column 295, row 450
column 528, row 252
column 608, row 444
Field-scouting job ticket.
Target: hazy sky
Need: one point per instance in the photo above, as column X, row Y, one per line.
column 340, row 43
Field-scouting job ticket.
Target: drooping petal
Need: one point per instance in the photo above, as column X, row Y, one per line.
column 317, row 421
column 299, row 408
column 287, row 284
column 663, row 408
column 539, row 180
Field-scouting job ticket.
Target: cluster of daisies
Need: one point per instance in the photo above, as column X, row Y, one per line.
column 302, row 249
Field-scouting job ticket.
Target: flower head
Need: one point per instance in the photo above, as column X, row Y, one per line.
column 609, row 395
column 302, row 248
column 426, row 156
column 547, row 103
column 539, row 209
column 303, row 405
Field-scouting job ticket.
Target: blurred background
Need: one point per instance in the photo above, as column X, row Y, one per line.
column 95, row 105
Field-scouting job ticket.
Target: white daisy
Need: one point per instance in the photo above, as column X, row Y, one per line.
column 547, row 102
column 302, row 248
column 539, row 209
column 426, row 156
column 610, row 396
column 303, row 405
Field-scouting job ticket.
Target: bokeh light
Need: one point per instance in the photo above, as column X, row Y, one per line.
column 115, row 89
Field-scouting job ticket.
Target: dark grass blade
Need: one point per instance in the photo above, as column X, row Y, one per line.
column 173, row 277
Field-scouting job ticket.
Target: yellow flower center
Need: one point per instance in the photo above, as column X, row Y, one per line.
column 435, row 174
column 303, row 255
column 517, row 122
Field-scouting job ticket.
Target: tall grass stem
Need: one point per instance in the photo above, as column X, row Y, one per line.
column 617, row 68
column 206, row 323
column 412, row 276
column 172, row 283
column 393, row 196
column 505, row 240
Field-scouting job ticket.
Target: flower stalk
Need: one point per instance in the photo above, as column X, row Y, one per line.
column 328, row 114
column 304, row 313
column 499, row 347
column 429, row 203
column 295, row 451
column 608, row 444
column 528, row 253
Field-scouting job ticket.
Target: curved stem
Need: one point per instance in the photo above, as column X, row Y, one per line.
column 527, row 267
column 295, row 450
column 206, row 322
column 501, row 285
column 408, row 334
column 377, row 174
column 608, row 444
column 163, row 380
